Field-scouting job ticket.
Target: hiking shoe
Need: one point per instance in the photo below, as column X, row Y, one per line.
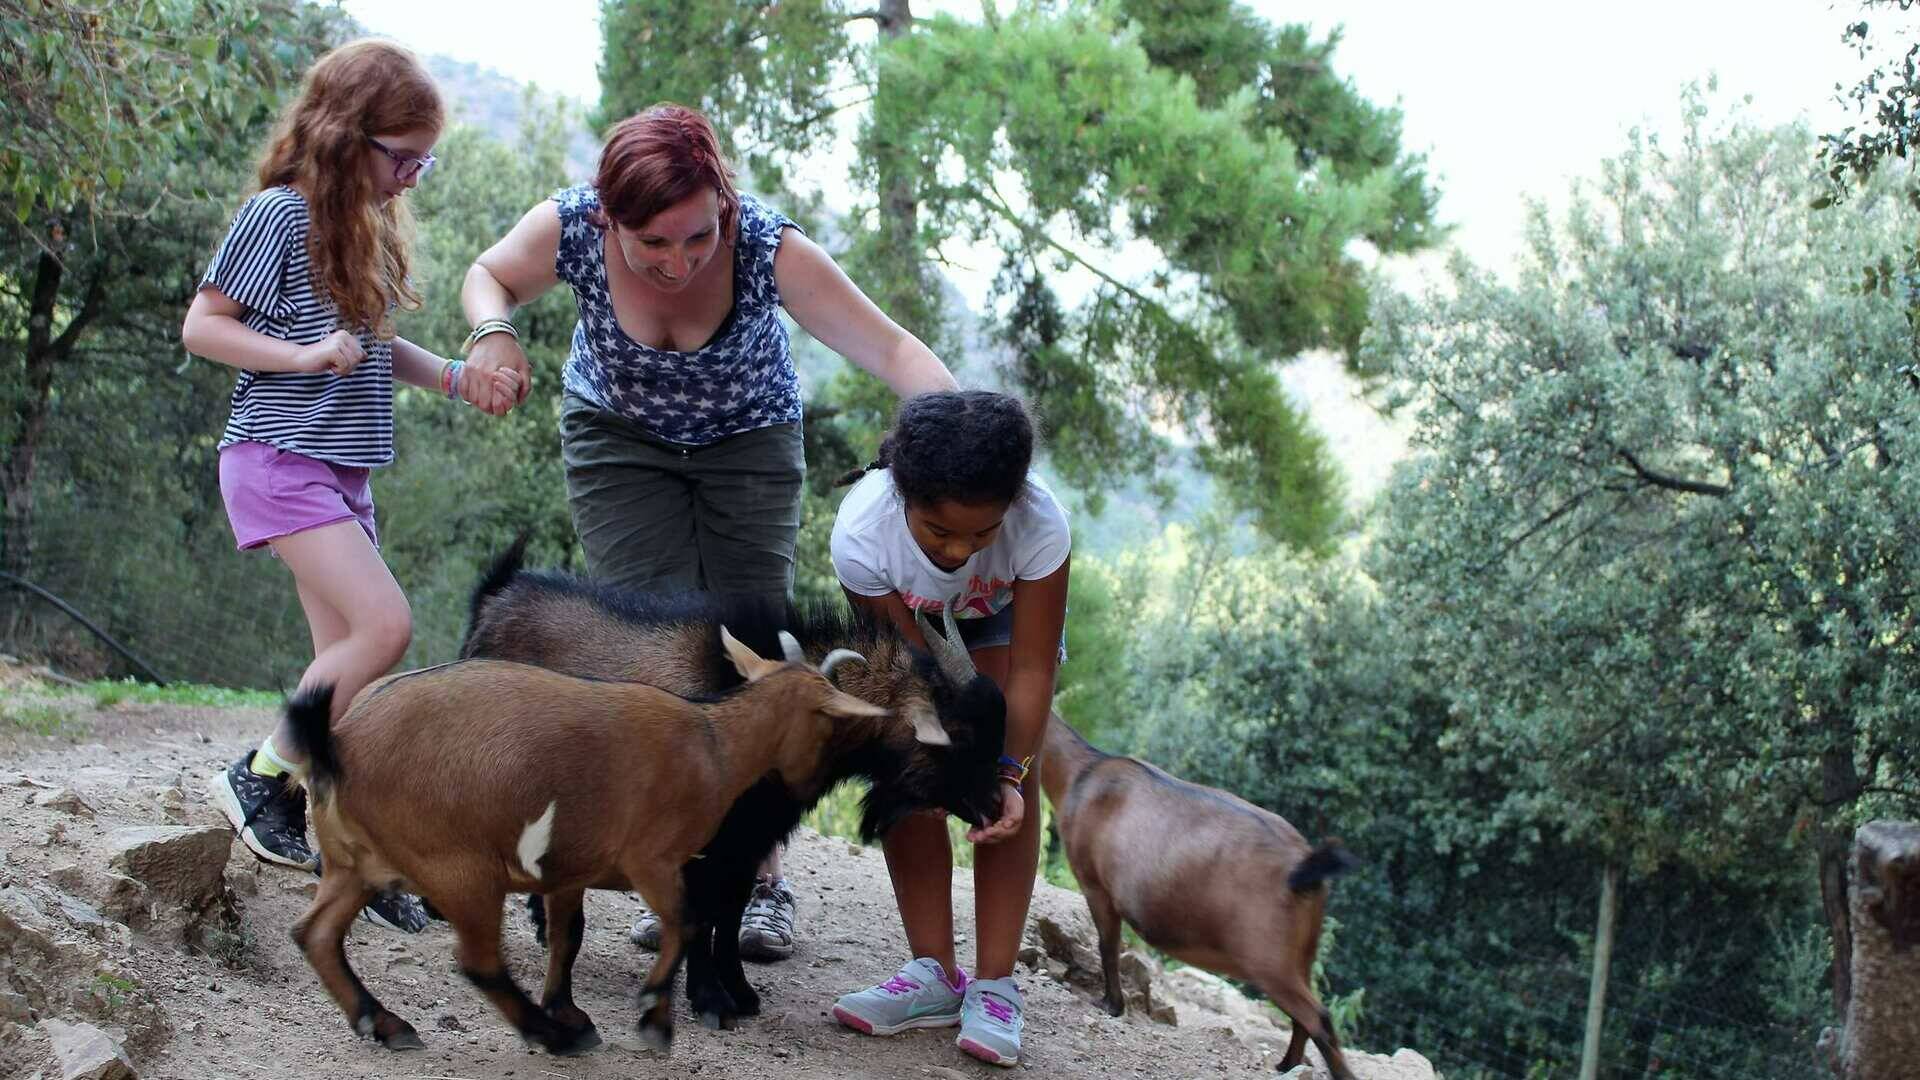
column 269, row 813
column 646, row 931
column 766, row 927
column 396, row 911
column 990, row 1021
column 918, row 996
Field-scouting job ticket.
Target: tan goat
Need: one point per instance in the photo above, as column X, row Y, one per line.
column 1203, row 876
column 471, row 780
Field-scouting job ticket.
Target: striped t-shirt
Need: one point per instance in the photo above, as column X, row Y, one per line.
column 264, row 265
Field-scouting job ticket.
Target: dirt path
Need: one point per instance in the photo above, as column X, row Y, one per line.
column 262, row 1013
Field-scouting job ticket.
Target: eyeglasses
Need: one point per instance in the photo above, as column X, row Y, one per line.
column 405, row 166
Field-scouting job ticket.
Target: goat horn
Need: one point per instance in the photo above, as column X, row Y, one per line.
column 951, row 653
column 835, row 658
column 791, row 649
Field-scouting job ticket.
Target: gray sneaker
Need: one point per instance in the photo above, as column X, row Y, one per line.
column 918, row 996
column 990, row 1018
column 646, row 931
column 766, row 927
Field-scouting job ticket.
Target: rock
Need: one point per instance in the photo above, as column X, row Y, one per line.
column 1881, row 1037
column 87, row 1053
column 1072, row 946
column 14, row 1006
column 183, row 864
column 66, row 800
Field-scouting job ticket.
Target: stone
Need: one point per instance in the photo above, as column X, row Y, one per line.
column 1881, row 1037
column 67, row 801
column 183, row 864
column 87, row 1053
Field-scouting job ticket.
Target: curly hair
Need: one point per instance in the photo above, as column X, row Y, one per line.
column 969, row 446
column 657, row 158
column 360, row 249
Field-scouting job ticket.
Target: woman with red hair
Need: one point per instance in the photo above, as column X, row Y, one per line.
column 680, row 416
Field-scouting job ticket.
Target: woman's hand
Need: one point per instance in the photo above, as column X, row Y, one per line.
column 497, row 375
column 1013, row 811
column 339, row 352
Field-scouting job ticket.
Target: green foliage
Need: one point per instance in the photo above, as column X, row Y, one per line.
column 1659, row 530
column 107, row 693
column 93, row 98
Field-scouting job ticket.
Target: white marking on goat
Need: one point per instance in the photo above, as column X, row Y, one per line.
column 534, row 840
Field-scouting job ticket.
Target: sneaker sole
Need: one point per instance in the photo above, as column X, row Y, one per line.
column 987, row 1054
column 866, row 1027
column 221, row 792
column 375, row 918
column 753, row 949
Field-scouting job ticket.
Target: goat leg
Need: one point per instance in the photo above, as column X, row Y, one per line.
column 1106, row 921
column 729, row 907
column 321, row 935
column 567, row 913
column 476, row 926
column 665, row 894
column 709, row 998
column 1295, row 998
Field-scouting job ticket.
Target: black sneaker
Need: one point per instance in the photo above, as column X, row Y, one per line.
column 269, row 813
column 396, row 911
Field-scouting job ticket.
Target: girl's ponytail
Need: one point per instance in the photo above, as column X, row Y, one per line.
column 882, row 459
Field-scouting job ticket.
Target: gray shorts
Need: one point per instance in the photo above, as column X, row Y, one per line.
column 663, row 517
column 996, row 629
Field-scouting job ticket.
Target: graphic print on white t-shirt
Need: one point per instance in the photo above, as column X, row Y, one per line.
column 874, row 553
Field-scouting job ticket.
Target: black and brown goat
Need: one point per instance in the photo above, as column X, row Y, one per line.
column 471, row 780
column 1204, row 876
column 575, row 626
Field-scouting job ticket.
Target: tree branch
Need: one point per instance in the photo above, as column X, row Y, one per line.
column 1672, row 483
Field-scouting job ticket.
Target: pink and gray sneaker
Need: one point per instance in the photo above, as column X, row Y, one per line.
column 918, row 996
column 990, row 1017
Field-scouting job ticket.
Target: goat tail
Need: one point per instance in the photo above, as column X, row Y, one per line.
column 309, row 714
column 498, row 575
column 1326, row 861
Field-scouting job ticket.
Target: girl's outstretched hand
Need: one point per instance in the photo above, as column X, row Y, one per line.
column 1013, row 810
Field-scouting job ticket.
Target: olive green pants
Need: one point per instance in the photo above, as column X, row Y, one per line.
column 661, row 517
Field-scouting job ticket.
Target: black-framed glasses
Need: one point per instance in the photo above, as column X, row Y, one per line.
column 405, row 166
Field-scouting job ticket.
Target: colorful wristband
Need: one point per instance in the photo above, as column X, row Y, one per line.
column 1015, row 769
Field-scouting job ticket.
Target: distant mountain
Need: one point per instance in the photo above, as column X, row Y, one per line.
column 497, row 105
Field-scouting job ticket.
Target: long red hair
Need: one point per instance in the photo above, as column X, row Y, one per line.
column 361, row 250
column 656, row 158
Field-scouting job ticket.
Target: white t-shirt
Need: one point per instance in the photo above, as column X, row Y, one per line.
column 874, row 554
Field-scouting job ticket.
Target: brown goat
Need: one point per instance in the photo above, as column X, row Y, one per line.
column 471, row 780
column 1203, row 876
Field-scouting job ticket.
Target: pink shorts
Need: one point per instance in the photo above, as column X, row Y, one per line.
column 272, row 493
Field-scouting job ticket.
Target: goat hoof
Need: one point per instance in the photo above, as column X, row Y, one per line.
column 719, row 1021
column 746, row 1001
column 658, row 1039
column 404, row 1039
column 1116, row 1008
column 578, row 1041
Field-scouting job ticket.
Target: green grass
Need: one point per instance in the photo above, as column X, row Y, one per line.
column 39, row 718
column 107, row 693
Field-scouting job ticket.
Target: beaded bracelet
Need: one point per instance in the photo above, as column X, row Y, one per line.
column 488, row 326
column 450, row 378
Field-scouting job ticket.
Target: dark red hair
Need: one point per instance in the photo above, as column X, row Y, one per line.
column 657, row 158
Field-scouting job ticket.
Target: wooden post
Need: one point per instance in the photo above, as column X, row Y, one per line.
column 1602, row 960
column 1881, row 1040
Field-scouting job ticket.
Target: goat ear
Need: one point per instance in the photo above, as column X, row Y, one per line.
column 926, row 726
column 841, row 703
column 749, row 663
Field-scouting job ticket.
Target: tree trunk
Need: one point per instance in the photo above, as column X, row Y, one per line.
column 33, row 401
column 1602, row 963
column 1839, row 786
column 900, row 287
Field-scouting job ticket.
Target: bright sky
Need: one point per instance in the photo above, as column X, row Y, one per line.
column 1508, row 99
